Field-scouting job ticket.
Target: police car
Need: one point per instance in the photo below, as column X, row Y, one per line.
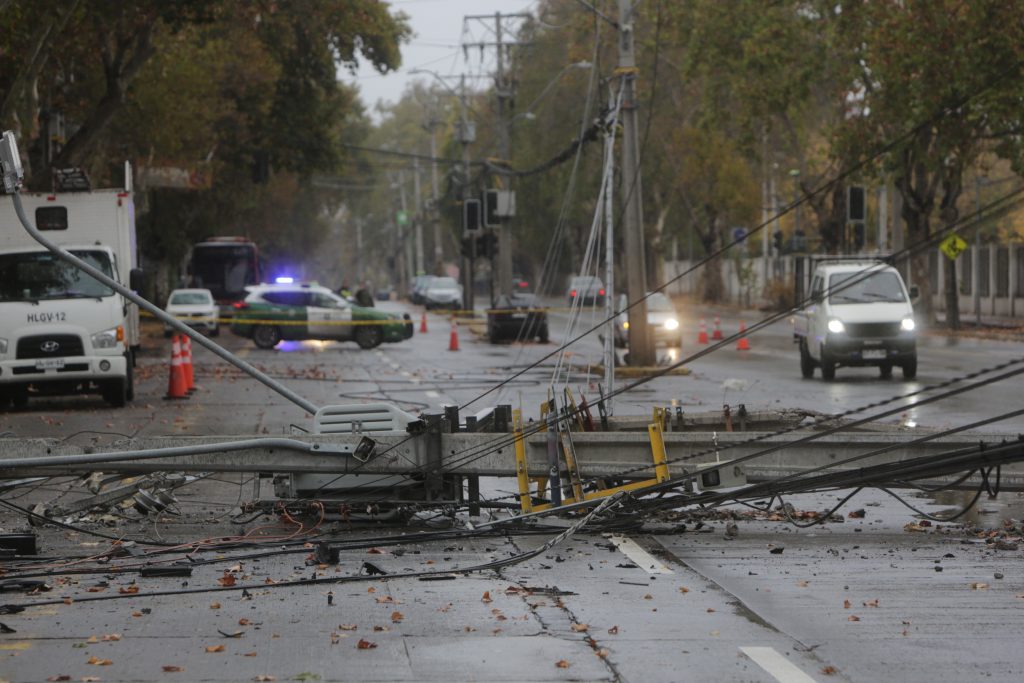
column 271, row 313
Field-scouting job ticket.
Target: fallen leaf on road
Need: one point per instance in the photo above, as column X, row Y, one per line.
column 386, row 599
column 62, row 677
column 613, row 631
column 90, row 679
column 381, row 628
column 170, row 668
column 227, row 580
column 396, row 617
column 365, row 644
column 128, row 590
column 602, row 653
column 802, row 583
column 264, row 677
column 99, row 662
column 979, row 586
column 111, row 637
column 579, row 628
column 710, row 610
column 348, row 627
column 92, row 639
column 684, row 589
column 853, row 617
column 486, row 597
column 846, row 604
column 871, row 603
column 911, row 526
column 250, row 654
column 214, row 605
column 243, row 622
column 215, row 648
column 648, row 597
column 371, row 589
column 562, row 664
column 831, row 670
column 376, row 551
column 136, row 614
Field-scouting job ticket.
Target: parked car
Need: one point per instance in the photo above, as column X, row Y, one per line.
column 662, row 321
column 588, row 289
column 442, row 292
column 194, row 307
column 418, row 286
column 520, row 316
column 271, row 313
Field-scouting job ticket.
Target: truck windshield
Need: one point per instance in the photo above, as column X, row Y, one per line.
column 41, row 276
column 884, row 286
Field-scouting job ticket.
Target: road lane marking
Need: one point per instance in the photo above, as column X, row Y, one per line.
column 783, row 670
column 638, row 555
column 433, row 394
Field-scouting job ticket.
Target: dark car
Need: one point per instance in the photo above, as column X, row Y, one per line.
column 520, row 316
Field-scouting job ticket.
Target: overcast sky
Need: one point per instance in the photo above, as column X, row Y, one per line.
column 438, row 31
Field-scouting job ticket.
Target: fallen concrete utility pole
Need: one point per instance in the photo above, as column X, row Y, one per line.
column 599, row 454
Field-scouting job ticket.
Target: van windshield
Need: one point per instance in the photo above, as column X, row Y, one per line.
column 854, row 288
column 41, row 276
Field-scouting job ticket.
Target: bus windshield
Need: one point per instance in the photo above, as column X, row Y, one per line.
column 41, row 276
column 225, row 269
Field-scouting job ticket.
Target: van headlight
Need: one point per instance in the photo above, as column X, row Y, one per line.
column 908, row 325
column 836, row 326
column 107, row 339
column 671, row 324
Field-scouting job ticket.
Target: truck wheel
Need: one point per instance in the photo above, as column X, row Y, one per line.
column 19, row 397
column 885, row 370
column 910, row 368
column 368, row 336
column 130, row 379
column 266, row 336
column 115, row 392
column 828, row 366
column 215, row 332
column 806, row 362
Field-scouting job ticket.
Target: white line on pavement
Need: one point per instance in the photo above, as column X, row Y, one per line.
column 783, row 670
column 641, row 557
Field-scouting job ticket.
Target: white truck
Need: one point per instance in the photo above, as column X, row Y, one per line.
column 62, row 331
column 860, row 314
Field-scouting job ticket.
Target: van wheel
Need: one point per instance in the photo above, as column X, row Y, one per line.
column 266, row 336
column 885, row 370
column 806, row 362
column 19, row 397
column 910, row 368
column 368, row 336
column 828, row 366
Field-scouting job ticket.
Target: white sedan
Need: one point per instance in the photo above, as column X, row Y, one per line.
column 194, row 307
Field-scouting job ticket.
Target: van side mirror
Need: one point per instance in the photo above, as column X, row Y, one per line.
column 136, row 280
column 915, row 293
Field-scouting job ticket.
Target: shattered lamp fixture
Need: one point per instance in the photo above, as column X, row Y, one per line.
column 364, row 450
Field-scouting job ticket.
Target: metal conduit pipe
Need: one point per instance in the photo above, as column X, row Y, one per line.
column 206, row 343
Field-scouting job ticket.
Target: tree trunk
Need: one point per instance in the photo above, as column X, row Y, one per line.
column 919, row 229
column 712, row 285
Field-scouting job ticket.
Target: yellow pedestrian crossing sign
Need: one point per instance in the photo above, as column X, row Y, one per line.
column 952, row 246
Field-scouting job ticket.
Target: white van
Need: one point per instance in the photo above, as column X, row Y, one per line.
column 62, row 331
column 861, row 315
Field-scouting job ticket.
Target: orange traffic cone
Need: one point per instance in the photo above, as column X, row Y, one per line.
column 423, row 324
column 186, row 363
column 453, row 342
column 716, row 334
column 176, row 387
column 702, row 336
column 743, row 344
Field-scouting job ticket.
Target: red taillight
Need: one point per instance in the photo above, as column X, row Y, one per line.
column 572, row 293
column 600, row 292
column 239, row 305
column 524, row 285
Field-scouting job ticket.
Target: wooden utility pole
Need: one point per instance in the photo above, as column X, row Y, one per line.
column 641, row 349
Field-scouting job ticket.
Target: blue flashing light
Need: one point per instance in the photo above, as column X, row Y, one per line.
column 284, row 280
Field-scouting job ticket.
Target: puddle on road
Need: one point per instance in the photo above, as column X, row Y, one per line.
column 987, row 513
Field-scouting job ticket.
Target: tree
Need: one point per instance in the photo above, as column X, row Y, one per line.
column 939, row 81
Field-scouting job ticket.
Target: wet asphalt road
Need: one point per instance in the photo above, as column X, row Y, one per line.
column 860, row 600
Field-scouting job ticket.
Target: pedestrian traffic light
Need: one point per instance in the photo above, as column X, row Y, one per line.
column 470, row 216
column 777, row 241
column 855, row 209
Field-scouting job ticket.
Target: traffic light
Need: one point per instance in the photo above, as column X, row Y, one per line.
column 777, row 241
column 491, row 219
column 470, row 216
column 855, row 208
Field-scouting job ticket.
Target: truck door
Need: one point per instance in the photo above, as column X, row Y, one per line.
column 814, row 311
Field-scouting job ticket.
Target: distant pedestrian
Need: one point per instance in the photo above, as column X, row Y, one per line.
column 364, row 297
